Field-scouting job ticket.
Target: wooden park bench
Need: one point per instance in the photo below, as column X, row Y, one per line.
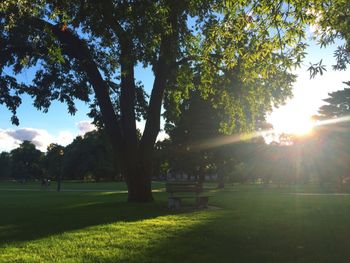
column 179, row 190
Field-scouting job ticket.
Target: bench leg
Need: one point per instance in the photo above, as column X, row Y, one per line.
column 202, row 202
column 174, row 203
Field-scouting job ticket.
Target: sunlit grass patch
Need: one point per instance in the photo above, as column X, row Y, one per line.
column 137, row 241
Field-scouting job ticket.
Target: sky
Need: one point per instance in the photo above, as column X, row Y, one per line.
column 308, row 94
column 57, row 126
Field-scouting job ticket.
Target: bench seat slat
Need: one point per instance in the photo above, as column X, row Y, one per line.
column 179, row 190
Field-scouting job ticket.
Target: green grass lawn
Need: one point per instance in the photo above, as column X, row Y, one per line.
column 72, row 186
column 248, row 224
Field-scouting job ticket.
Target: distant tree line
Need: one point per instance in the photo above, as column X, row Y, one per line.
column 86, row 158
column 197, row 148
column 322, row 158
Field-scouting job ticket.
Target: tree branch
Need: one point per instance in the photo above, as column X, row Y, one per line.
column 162, row 71
column 77, row 48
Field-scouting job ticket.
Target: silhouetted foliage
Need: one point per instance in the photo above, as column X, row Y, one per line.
column 27, row 162
column 332, row 23
column 90, row 157
column 53, row 160
column 338, row 104
column 87, row 158
column 5, row 166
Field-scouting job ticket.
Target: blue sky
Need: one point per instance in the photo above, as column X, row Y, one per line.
column 57, row 125
column 60, row 127
column 58, row 117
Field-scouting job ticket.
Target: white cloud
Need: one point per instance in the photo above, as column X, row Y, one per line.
column 11, row 139
column 64, row 138
column 27, row 134
column 7, row 143
column 85, row 126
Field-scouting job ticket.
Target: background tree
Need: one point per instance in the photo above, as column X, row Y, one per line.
column 90, row 158
column 332, row 24
column 53, row 160
column 197, row 124
column 338, row 104
column 163, row 158
column 26, row 162
column 6, row 166
column 82, row 47
column 333, row 138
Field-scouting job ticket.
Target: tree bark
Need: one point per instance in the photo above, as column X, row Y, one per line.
column 138, row 179
column 137, row 174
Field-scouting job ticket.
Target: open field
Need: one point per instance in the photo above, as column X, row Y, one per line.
column 70, row 186
column 248, row 224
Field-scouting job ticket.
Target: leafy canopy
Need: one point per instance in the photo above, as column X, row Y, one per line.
column 332, row 22
column 237, row 52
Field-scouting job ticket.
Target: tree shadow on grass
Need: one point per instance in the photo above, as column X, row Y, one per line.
column 223, row 237
column 244, row 232
column 32, row 215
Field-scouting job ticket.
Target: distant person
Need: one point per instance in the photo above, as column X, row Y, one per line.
column 45, row 182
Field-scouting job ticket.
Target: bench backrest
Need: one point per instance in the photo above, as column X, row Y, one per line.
column 183, row 187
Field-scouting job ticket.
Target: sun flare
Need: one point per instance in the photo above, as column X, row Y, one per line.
column 296, row 124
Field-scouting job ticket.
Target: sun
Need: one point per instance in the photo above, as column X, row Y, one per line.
column 292, row 123
column 301, row 127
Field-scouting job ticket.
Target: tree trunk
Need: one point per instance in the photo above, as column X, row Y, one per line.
column 138, row 178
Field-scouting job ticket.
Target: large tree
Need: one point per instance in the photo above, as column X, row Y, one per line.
column 27, row 162
column 89, row 50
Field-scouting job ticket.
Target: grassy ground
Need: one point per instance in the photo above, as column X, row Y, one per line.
column 71, row 186
column 253, row 224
